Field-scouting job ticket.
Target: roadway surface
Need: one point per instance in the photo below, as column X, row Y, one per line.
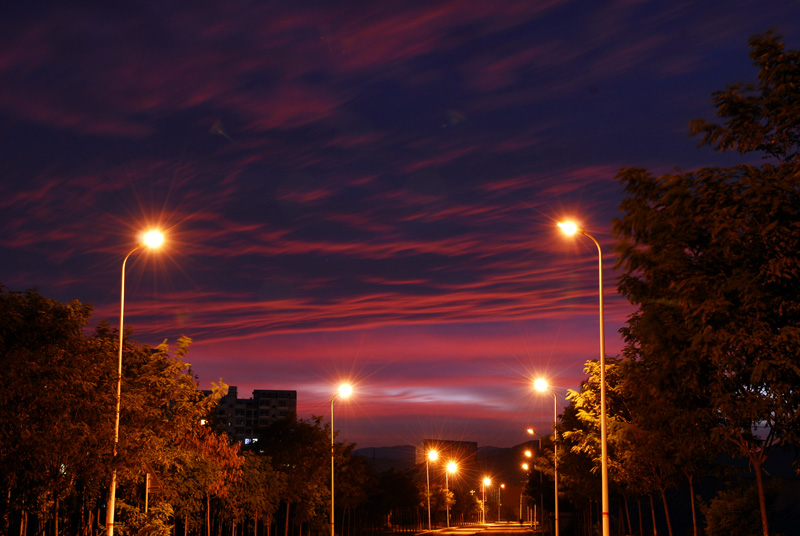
column 489, row 529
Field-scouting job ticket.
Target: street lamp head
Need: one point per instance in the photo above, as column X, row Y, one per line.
column 540, row 384
column 152, row 239
column 531, row 431
column 569, row 228
column 345, row 390
column 525, row 466
column 452, row 467
column 528, row 454
column 487, row 481
column 433, row 455
column 503, row 486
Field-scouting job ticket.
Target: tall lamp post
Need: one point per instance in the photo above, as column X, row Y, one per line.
column 570, row 228
column 499, row 500
column 431, row 457
column 452, row 467
column 344, row 391
column 486, row 482
column 526, row 468
column 531, row 431
column 152, row 240
column 541, row 386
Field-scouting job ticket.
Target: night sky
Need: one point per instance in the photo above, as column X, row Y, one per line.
column 356, row 190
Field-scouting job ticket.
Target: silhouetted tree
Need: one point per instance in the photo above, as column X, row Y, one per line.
column 300, row 450
column 711, row 255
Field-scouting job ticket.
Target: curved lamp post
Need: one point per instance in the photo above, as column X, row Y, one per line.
column 344, row 391
column 571, row 228
column 152, row 240
column 431, row 457
column 541, row 386
column 452, row 467
column 486, row 482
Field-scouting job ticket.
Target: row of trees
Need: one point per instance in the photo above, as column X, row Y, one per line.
column 711, row 261
column 176, row 474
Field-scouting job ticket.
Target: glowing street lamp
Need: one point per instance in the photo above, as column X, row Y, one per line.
column 452, row 467
column 528, row 453
column 499, row 500
column 431, row 457
column 152, row 240
column 540, row 385
column 344, row 391
column 486, row 481
column 571, row 228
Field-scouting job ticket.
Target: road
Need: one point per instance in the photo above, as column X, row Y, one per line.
column 490, row 529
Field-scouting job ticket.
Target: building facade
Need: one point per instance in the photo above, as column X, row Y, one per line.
column 242, row 417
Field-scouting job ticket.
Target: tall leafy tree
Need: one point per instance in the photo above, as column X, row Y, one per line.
column 56, row 400
column 56, row 429
column 711, row 255
column 300, row 450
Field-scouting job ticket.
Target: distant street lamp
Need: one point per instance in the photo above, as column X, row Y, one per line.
column 152, row 240
column 541, row 386
column 432, row 457
column 344, row 391
column 528, row 453
column 499, row 500
column 452, row 467
column 486, row 482
column 571, row 228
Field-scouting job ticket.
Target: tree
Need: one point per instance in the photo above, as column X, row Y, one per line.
column 55, row 429
column 300, row 450
column 394, row 498
column 760, row 117
column 256, row 491
column 710, row 255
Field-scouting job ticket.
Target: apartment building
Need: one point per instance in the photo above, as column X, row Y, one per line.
column 242, row 417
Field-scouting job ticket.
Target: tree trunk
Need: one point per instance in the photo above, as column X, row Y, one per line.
column 208, row 514
column 666, row 510
column 762, row 500
column 628, row 514
column 694, row 509
column 286, row 527
column 641, row 522
column 55, row 516
column 653, row 514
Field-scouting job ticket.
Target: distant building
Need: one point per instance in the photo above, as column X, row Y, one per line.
column 242, row 417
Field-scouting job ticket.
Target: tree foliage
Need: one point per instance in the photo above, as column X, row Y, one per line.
column 760, row 117
column 710, row 260
column 56, row 429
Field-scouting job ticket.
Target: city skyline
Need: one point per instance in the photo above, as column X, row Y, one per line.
column 356, row 194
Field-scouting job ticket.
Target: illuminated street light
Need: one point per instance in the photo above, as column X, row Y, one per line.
column 486, row 481
column 344, row 391
column 571, row 228
column 152, row 240
column 528, row 453
column 540, row 385
column 432, row 457
column 452, row 467
column 499, row 500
